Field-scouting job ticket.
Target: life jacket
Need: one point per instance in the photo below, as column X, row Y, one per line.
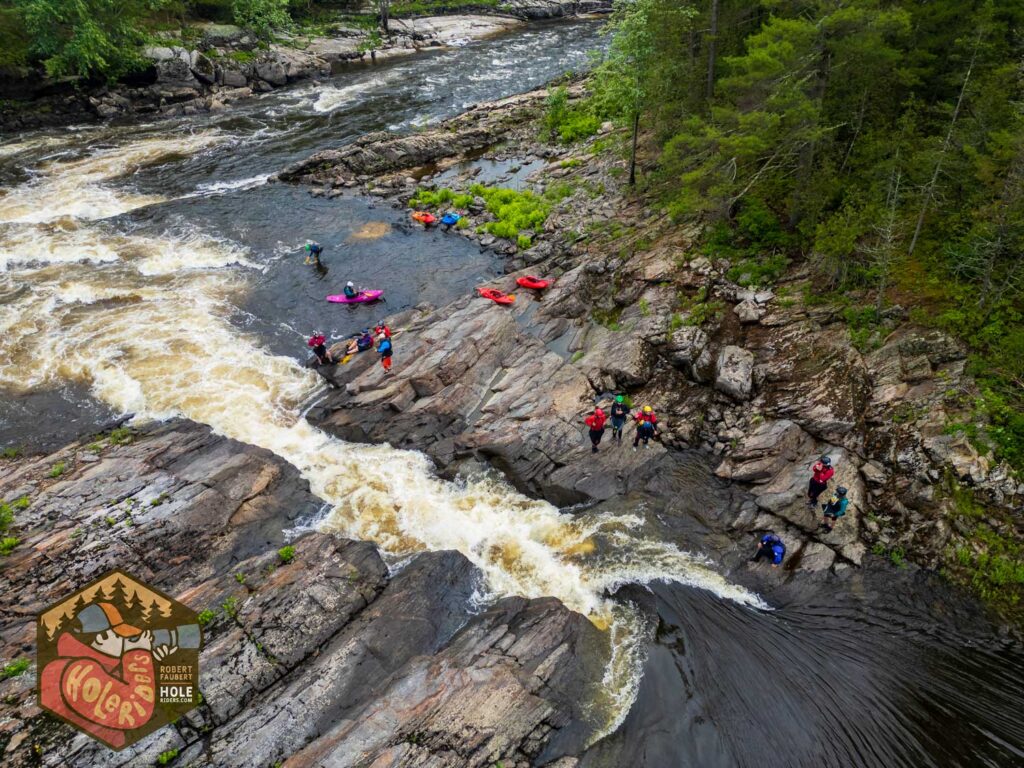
column 822, row 474
column 646, row 421
column 350, row 293
column 316, row 341
column 383, row 329
column 620, row 411
column 836, row 507
column 596, row 420
column 385, row 347
column 364, row 342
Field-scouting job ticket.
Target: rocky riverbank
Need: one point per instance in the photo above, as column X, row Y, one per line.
column 217, row 64
column 322, row 656
column 762, row 381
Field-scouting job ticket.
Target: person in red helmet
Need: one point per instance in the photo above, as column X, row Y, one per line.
column 596, row 422
column 381, row 329
column 821, row 472
column 318, row 342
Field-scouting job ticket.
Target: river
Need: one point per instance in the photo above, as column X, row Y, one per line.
column 151, row 269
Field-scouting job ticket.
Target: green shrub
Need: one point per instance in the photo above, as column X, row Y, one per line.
column 759, row 272
column 10, row 452
column 14, row 668
column 564, row 123
column 206, row 616
column 21, row 503
column 166, row 757
column 515, row 211
column 524, row 241
column 57, row 469
column 120, row 436
column 242, row 57
column 287, row 554
column 7, row 544
column 263, row 17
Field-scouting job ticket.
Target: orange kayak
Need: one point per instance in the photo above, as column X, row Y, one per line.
column 498, row 297
column 423, row 217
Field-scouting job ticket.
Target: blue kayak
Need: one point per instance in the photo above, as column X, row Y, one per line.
column 450, row 218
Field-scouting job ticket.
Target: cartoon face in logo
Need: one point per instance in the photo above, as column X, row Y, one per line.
column 118, row 659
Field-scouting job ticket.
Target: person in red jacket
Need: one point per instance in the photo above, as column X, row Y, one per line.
column 646, row 426
column 821, row 472
column 596, row 422
column 103, row 679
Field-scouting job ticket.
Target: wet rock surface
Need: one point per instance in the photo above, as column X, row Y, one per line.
column 323, row 655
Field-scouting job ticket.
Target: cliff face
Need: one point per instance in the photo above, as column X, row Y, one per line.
column 325, row 657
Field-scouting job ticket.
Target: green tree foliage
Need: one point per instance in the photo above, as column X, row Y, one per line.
column 882, row 141
column 87, row 37
column 261, row 16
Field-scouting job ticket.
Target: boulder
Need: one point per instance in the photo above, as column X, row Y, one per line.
column 173, row 67
column 203, row 68
column 232, row 78
column 272, row 71
column 734, row 372
column 749, row 311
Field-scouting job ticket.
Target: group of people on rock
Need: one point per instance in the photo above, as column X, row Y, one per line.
column 772, row 547
column 645, row 419
column 358, row 342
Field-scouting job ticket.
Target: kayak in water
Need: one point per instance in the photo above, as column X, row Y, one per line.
column 451, row 218
column 363, row 297
column 534, row 283
column 498, row 297
column 424, row 218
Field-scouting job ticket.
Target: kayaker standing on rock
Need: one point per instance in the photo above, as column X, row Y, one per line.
column 619, row 414
column 834, row 508
column 646, row 426
column 772, row 547
column 381, row 329
column 596, row 422
column 384, row 349
column 821, row 472
column 318, row 342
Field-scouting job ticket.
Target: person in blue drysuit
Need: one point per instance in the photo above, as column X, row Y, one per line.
column 834, row 509
column 770, row 546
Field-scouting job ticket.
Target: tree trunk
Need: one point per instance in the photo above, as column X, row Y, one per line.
column 712, row 49
column 929, row 192
column 385, row 16
column 632, row 153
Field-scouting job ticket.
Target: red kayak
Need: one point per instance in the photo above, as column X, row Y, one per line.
column 533, row 283
column 424, row 218
column 498, row 297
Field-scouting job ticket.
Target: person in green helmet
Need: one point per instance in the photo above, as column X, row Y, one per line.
column 313, row 251
column 619, row 414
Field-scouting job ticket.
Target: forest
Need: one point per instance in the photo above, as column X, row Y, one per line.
column 101, row 39
column 877, row 144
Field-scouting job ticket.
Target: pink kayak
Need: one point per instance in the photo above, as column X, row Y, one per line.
column 363, row 297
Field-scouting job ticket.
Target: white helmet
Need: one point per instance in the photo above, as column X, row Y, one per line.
column 349, row 284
